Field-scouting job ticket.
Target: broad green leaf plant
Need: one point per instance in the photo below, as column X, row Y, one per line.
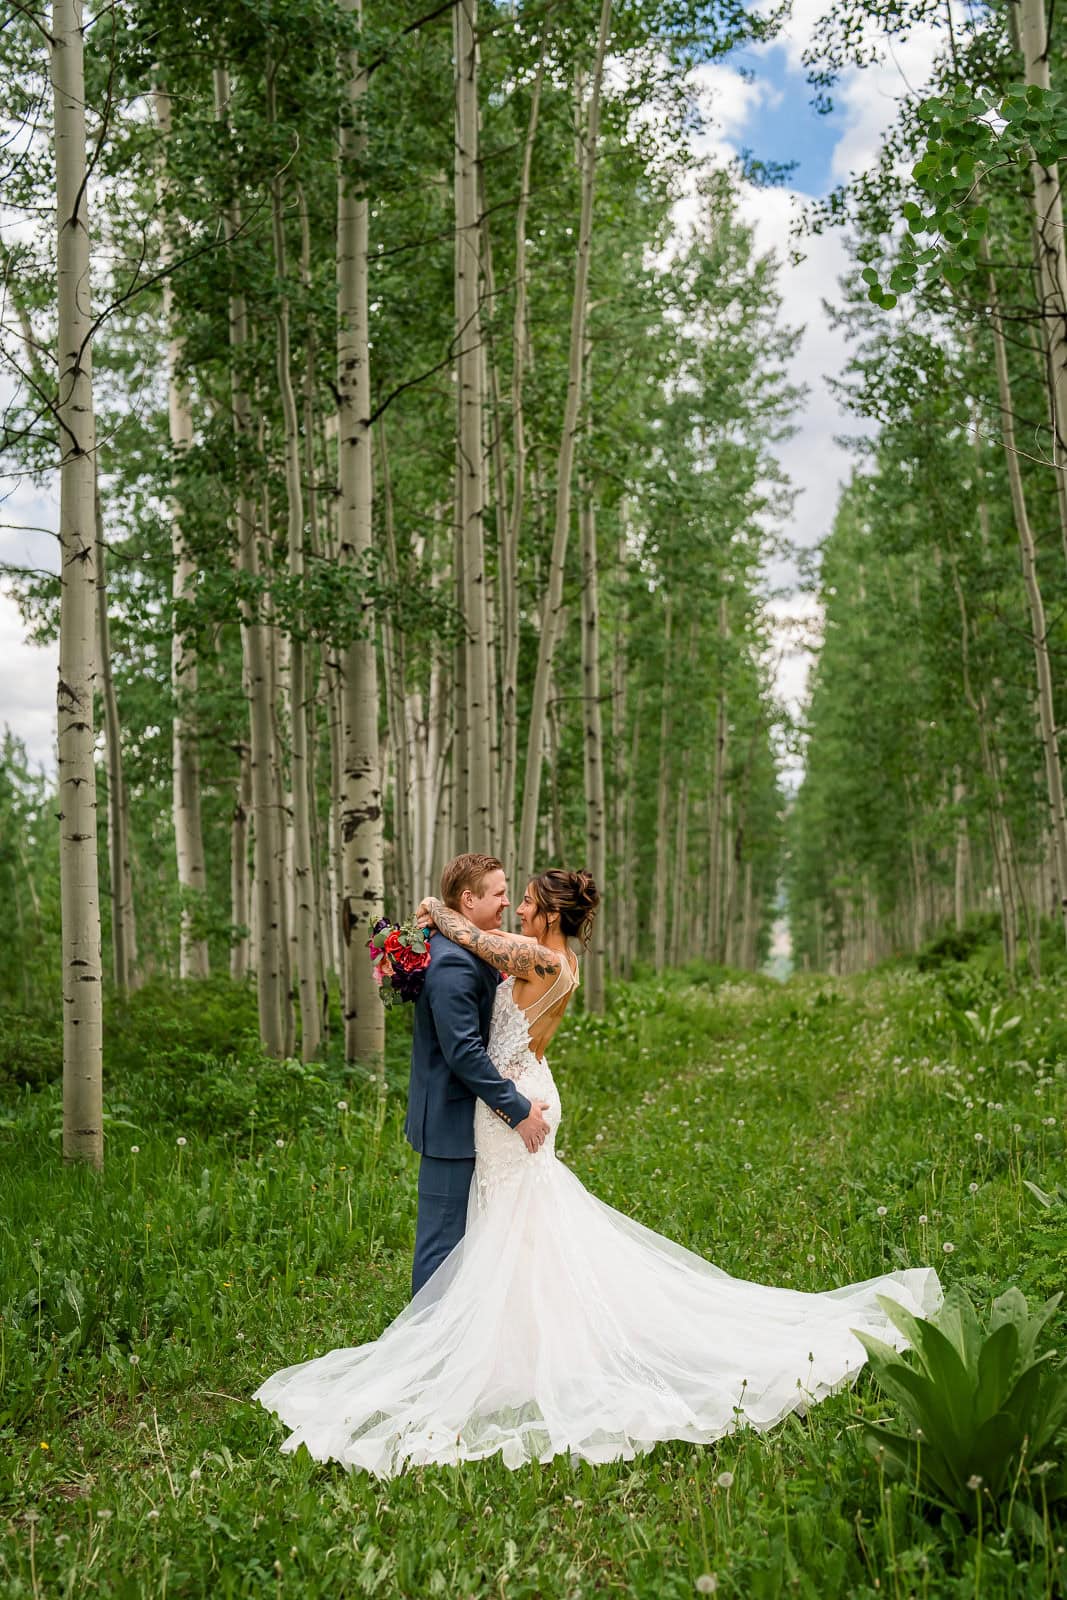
column 983, row 1410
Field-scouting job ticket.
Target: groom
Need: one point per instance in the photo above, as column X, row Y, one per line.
column 451, row 1068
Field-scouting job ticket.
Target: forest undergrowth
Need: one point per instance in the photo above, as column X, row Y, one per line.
column 254, row 1213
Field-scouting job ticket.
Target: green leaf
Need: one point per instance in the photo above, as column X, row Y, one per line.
column 996, row 1363
column 869, row 275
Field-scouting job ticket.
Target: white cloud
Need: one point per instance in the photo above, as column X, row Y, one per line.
column 28, row 698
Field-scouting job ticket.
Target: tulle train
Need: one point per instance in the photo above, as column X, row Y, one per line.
column 560, row 1324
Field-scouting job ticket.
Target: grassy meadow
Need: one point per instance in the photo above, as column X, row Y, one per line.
column 254, row 1213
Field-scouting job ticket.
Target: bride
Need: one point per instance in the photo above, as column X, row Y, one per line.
column 558, row 1323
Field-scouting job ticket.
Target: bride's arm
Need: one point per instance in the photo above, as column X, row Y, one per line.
column 509, row 952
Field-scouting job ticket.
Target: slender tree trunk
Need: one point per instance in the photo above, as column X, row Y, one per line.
column 1035, row 602
column 83, row 1111
column 959, row 879
column 362, row 810
column 271, row 957
column 592, row 743
column 1051, row 258
column 123, row 921
column 240, row 896
column 509, row 551
column 470, row 454
column 661, row 875
column 718, row 783
column 620, row 910
column 394, row 656
column 553, row 597
column 304, row 927
column 193, row 956
column 681, row 899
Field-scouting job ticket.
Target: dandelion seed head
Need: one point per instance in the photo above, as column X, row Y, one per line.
column 182, row 1140
column 342, row 1105
column 948, row 1248
column 725, row 1480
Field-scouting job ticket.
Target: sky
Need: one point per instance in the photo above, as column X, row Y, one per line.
column 759, row 101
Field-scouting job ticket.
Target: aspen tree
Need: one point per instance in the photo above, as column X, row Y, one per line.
column 470, row 449
column 267, row 886
column 592, row 742
column 193, row 956
column 304, row 933
column 361, row 810
column 552, row 602
column 83, row 1112
column 1035, row 603
column 123, row 918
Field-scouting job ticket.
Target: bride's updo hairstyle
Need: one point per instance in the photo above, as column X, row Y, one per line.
column 572, row 896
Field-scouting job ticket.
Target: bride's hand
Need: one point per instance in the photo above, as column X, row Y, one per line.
column 424, row 915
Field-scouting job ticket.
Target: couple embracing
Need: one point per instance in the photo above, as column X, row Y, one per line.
column 542, row 1320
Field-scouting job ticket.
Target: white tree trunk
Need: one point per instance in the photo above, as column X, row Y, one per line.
column 269, row 917
column 470, row 455
column 304, row 923
column 83, row 1111
column 592, row 744
column 553, row 598
column 123, row 920
column 193, row 957
column 1047, row 206
column 361, row 812
column 1038, row 625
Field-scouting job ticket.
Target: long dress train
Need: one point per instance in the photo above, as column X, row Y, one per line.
column 560, row 1324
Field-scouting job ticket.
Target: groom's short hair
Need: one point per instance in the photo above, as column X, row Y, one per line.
column 466, row 872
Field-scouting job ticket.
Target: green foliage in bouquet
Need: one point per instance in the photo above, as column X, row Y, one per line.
column 983, row 1409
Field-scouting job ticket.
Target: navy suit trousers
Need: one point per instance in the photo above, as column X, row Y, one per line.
column 444, row 1188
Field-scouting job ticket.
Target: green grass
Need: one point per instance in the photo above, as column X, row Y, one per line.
column 762, row 1125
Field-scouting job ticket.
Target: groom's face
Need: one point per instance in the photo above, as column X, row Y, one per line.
column 486, row 909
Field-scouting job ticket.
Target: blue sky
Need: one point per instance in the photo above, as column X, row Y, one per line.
column 787, row 126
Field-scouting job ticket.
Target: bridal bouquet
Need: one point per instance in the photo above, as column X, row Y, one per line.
column 400, row 953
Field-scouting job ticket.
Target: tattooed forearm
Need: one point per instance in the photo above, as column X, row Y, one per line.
column 524, row 958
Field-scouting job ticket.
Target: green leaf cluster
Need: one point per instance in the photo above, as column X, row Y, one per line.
column 983, row 1409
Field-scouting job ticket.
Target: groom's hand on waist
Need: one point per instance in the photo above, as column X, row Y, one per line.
column 534, row 1129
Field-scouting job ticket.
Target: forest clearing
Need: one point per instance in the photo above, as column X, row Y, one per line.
column 415, row 446
column 808, row 1133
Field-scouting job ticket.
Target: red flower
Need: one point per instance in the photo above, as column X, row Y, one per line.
column 393, row 946
column 410, row 960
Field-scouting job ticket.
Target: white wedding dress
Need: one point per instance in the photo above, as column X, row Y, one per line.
column 560, row 1324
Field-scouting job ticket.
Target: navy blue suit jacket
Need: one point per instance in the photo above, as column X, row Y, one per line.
column 450, row 1066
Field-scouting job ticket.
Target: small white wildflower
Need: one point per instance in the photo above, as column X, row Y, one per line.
column 707, row 1583
column 1016, row 1127
column 239, row 1336
column 924, row 1219
column 725, row 1480
column 979, row 1137
column 135, row 1359
column 135, row 1149
column 748, row 1166
column 740, row 1122
column 104, row 1515
column 342, row 1105
column 280, row 1143
column 600, row 1138
column 948, row 1248
column 972, row 1188
column 811, row 1257
column 153, row 1515
column 883, row 1211
column 194, row 1475
column 182, row 1140
column 974, row 1481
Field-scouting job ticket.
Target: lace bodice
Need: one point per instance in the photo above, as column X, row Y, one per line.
column 501, row 1156
column 509, row 1030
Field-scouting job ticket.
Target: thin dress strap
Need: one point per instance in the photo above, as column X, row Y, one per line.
column 549, row 998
